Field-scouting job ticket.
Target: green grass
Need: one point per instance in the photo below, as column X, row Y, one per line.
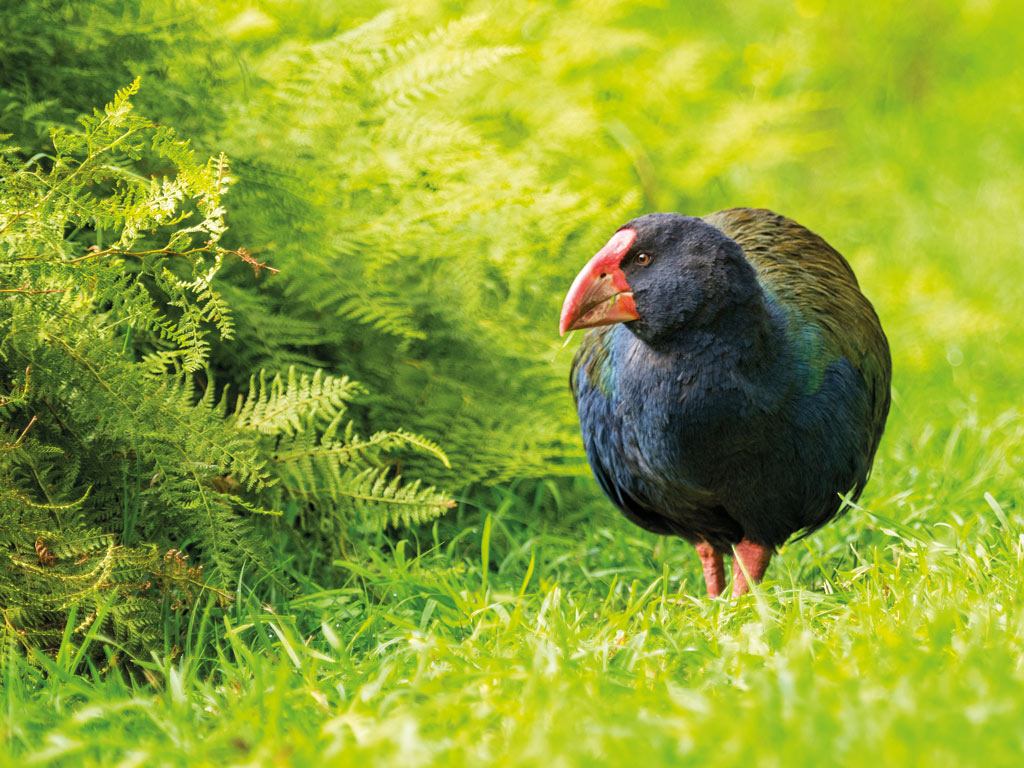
column 586, row 642
column 539, row 628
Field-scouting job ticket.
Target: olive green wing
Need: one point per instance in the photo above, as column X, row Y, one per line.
column 812, row 281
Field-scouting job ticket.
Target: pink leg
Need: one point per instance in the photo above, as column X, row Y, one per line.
column 755, row 558
column 714, row 571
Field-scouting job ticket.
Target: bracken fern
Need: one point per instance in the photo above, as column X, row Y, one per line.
column 126, row 486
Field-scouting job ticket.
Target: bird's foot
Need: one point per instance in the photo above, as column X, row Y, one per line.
column 714, row 570
column 753, row 559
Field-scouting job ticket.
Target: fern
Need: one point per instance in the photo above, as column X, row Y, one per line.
column 278, row 407
column 111, row 466
column 374, row 491
column 406, row 261
column 320, row 463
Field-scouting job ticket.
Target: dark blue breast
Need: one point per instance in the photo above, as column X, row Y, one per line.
column 711, row 445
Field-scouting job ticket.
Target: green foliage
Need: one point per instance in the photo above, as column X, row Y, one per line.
column 403, row 262
column 85, row 422
column 322, row 466
column 585, row 643
column 462, row 168
column 110, row 466
column 427, row 183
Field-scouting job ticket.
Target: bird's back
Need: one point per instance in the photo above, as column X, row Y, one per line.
column 807, row 276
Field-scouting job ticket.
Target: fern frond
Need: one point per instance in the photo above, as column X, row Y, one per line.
column 285, row 404
column 434, row 73
column 381, row 498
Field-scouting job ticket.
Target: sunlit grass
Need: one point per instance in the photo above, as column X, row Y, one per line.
column 587, row 642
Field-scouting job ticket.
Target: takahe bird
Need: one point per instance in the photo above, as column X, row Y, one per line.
column 735, row 385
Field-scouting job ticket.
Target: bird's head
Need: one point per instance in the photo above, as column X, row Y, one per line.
column 658, row 273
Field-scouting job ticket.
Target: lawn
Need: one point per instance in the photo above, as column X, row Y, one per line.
column 532, row 625
column 587, row 643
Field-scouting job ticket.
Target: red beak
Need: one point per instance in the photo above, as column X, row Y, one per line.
column 600, row 294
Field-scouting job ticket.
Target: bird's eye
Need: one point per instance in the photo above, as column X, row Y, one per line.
column 643, row 259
